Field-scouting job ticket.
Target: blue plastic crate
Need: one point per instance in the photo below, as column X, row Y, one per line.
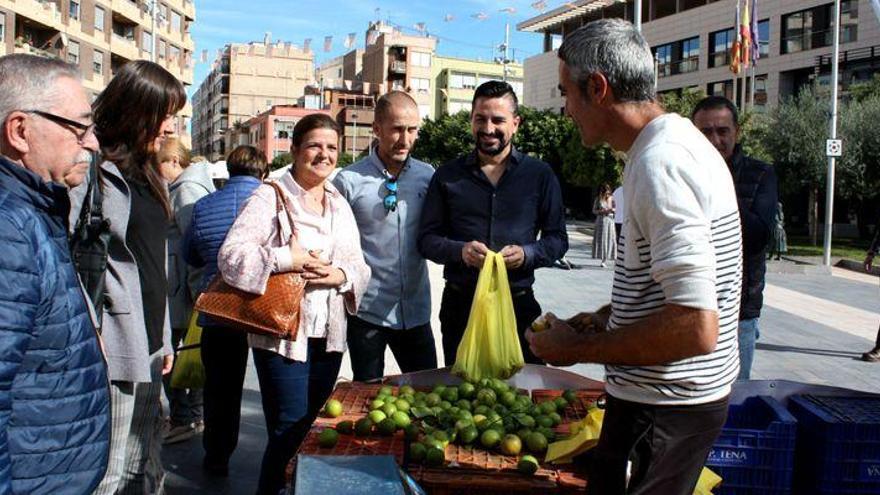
column 755, row 452
column 838, row 444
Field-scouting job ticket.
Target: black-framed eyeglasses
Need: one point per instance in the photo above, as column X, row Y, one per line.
column 390, row 201
column 63, row 121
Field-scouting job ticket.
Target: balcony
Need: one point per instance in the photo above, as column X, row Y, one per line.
column 42, row 11
column 128, row 9
column 124, row 47
column 397, row 67
column 189, row 9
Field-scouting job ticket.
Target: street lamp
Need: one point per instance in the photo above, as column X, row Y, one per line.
column 832, row 130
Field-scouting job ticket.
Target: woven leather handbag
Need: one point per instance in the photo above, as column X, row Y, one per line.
column 275, row 313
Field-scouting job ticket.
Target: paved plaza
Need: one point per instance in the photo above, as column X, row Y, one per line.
column 814, row 326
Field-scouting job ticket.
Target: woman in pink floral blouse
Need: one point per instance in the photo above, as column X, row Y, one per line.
column 296, row 377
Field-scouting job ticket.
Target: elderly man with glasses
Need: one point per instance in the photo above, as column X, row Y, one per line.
column 386, row 191
column 55, row 399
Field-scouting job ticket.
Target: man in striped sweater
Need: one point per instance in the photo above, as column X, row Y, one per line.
column 669, row 339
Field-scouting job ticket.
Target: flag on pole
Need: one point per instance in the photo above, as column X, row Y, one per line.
column 745, row 29
column 204, row 58
column 349, row 40
column 450, row 17
column 736, row 49
column 756, row 36
column 540, row 5
column 372, row 36
column 328, row 43
column 480, row 16
column 307, row 45
column 421, row 27
column 509, row 10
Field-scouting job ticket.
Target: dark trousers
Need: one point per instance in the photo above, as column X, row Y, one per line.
column 224, row 355
column 413, row 348
column 455, row 308
column 293, row 392
column 667, row 445
column 185, row 404
column 618, row 228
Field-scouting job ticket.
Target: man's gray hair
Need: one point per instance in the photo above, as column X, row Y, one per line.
column 614, row 48
column 27, row 82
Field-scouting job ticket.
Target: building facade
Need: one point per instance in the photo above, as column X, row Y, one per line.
column 247, row 80
column 396, row 61
column 100, row 36
column 455, row 80
column 691, row 41
column 270, row 131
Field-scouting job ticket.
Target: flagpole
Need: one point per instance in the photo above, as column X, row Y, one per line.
column 829, row 191
column 637, row 18
column 752, row 92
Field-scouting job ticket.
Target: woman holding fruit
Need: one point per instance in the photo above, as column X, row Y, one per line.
column 297, row 376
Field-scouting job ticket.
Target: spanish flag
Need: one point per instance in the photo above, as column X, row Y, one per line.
column 736, row 49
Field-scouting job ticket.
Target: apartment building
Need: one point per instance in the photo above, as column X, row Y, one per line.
column 397, row 61
column 270, row 131
column 247, row 79
column 99, row 36
column 456, row 79
column 691, row 41
column 344, row 71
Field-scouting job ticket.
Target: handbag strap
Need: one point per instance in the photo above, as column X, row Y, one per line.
column 288, row 230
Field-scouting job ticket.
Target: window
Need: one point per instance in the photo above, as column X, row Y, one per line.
column 517, row 88
column 147, row 42
column 424, row 111
column 764, row 38
column 176, row 22
column 690, row 56
column 457, row 106
column 663, row 55
column 98, row 63
column 2, row 27
column 73, row 52
column 174, row 53
column 74, row 10
column 720, row 43
column 721, row 88
column 814, row 28
column 421, row 59
column 161, row 49
column 679, row 57
column 462, row 81
column 420, row 85
column 99, row 18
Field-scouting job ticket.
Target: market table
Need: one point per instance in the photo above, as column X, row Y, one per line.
column 467, row 469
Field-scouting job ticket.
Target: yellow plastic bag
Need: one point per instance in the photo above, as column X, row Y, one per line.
column 490, row 345
column 708, row 481
column 585, row 436
column 188, row 369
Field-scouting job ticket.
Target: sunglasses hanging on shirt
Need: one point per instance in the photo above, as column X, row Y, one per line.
column 390, row 201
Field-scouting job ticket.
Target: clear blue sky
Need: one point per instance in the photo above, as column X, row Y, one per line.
column 236, row 21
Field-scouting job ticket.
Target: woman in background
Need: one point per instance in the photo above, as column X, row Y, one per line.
column 604, row 235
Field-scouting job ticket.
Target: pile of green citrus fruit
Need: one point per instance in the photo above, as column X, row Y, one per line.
column 488, row 414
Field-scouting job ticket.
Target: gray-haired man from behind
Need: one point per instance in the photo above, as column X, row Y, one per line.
column 670, row 343
column 54, row 392
column 386, row 191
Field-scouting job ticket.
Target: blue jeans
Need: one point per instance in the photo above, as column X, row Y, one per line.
column 747, row 336
column 293, row 392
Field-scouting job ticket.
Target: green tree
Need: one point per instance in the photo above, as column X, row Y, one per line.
column 858, row 169
column 281, row 160
column 866, row 89
column 795, row 139
column 443, row 139
column 683, row 102
column 344, row 159
column 589, row 167
column 543, row 134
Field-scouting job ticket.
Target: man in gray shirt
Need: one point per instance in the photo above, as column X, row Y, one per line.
column 386, row 191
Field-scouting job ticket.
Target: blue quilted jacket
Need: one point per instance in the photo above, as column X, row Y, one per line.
column 54, row 392
column 212, row 218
